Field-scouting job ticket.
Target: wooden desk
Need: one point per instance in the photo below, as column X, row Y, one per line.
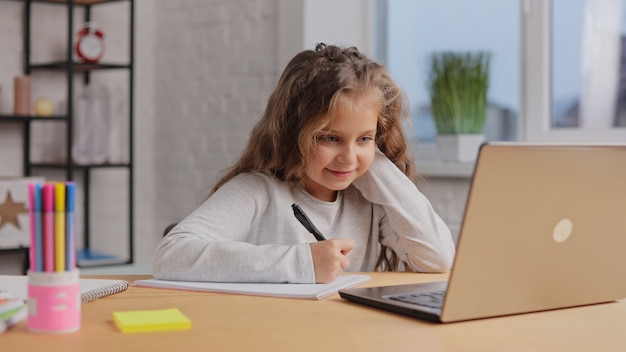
column 223, row 322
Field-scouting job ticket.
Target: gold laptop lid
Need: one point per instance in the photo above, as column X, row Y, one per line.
column 544, row 228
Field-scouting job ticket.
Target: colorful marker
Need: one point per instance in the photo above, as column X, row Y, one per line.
column 59, row 226
column 70, row 252
column 36, row 240
column 48, row 227
column 33, row 226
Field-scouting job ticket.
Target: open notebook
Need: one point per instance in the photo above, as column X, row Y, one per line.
column 305, row 291
column 90, row 289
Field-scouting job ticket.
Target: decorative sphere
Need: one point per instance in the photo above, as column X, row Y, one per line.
column 44, row 107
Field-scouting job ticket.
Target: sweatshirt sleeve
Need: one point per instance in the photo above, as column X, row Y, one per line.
column 217, row 242
column 410, row 226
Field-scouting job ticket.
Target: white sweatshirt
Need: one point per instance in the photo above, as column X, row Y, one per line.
column 246, row 231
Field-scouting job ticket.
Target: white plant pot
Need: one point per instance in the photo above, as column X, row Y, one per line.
column 459, row 147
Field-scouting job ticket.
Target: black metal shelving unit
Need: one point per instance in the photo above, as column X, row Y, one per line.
column 70, row 68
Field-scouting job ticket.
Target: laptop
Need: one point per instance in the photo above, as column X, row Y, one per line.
column 544, row 228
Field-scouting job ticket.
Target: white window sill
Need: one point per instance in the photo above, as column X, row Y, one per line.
column 429, row 163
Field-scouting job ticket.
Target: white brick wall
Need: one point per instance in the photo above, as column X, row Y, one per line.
column 204, row 71
column 215, row 69
column 448, row 196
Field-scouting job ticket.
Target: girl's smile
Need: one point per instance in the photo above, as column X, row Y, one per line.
column 340, row 173
column 344, row 150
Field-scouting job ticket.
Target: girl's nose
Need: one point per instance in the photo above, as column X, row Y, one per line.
column 347, row 155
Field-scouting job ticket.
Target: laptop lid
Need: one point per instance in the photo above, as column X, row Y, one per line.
column 544, row 228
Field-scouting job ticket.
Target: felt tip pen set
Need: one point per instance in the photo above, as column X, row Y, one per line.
column 53, row 279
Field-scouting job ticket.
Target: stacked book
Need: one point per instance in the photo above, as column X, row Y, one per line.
column 12, row 310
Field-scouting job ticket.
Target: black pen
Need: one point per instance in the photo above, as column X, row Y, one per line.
column 304, row 220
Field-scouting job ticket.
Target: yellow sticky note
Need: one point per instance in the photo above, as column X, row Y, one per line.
column 151, row 320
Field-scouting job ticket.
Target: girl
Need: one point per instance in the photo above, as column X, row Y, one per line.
column 331, row 141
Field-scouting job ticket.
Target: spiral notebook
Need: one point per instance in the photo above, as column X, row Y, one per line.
column 305, row 291
column 90, row 289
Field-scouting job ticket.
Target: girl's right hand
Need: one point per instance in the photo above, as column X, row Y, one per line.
column 329, row 258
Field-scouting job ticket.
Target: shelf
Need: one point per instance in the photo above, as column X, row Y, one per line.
column 444, row 169
column 24, row 118
column 89, row 257
column 78, row 66
column 79, row 166
column 14, row 250
column 24, row 251
column 69, row 68
column 430, row 164
column 78, row 2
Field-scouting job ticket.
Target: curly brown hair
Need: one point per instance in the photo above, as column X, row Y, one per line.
column 302, row 104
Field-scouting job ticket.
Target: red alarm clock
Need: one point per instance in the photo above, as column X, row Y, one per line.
column 90, row 43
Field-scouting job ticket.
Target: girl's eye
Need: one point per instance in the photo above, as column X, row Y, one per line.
column 365, row 139
column 328, row 138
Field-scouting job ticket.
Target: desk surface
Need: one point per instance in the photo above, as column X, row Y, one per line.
column 222, row 322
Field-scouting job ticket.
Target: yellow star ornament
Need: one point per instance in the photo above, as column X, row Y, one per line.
column 9, row 210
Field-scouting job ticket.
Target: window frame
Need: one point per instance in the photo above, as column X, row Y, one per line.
column 534, row 116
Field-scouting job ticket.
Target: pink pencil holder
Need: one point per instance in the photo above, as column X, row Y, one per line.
column 53, row 301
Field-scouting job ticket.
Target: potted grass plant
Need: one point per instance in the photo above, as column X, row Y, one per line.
column 458, row 85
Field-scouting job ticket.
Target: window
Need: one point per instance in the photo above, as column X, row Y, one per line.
column 572, row 85
column 417, row 29
column 558, row 69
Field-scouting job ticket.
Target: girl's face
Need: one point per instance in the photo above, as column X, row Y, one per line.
column 344, row 150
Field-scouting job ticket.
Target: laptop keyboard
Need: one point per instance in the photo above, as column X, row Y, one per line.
column 432, row 299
